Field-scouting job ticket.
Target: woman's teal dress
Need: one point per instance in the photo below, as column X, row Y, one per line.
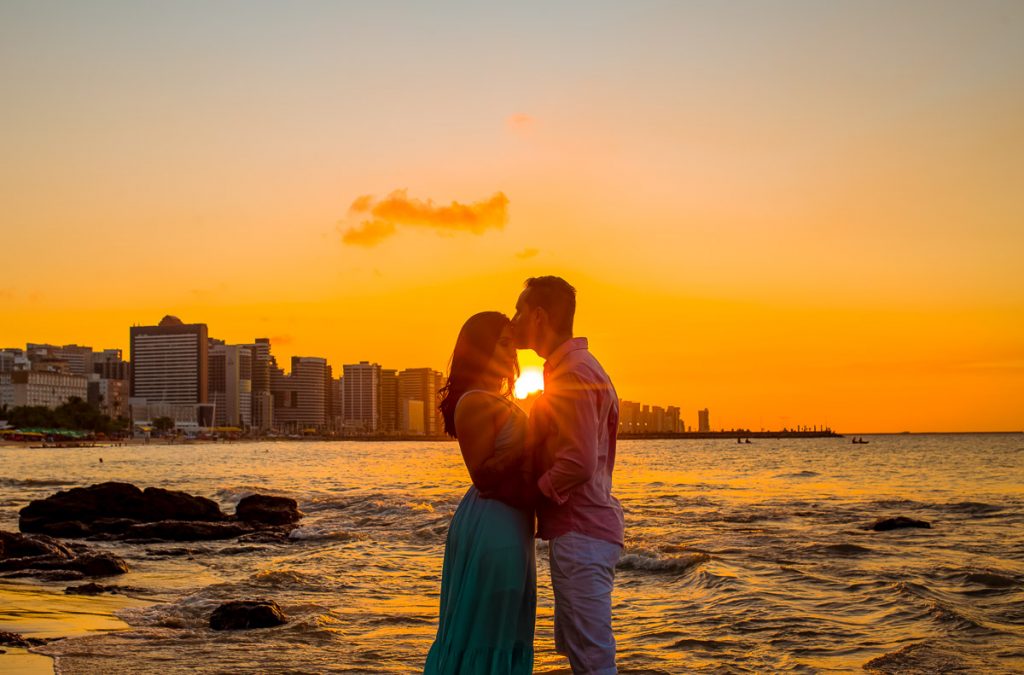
column 488, row 583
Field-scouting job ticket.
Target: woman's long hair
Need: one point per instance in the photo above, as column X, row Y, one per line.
column 473, row 351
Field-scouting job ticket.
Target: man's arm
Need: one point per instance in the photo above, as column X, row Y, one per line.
column 572, row 407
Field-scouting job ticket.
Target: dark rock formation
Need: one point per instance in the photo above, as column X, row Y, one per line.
column 90, row 589
column 41, row 556
column 185, row 530
column 99, row 565
column 269, row 510
column 897, row 523
column 112, row 508
column 245, row 614
column 122, row 511
column 18, row 640
column 14, row 545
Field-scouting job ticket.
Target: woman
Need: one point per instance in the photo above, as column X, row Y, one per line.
column 489, row 579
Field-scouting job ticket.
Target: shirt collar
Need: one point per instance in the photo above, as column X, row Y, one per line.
column 570, row 345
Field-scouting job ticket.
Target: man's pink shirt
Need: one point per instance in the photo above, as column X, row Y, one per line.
column 574, row 424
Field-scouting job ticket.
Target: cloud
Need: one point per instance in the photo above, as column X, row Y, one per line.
column 520, row 123
column 381, row 217
column 370, row 233
column 527, row 253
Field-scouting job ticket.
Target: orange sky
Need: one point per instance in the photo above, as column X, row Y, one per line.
column 789, row 215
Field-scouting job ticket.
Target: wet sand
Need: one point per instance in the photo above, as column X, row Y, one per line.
column 42, row 610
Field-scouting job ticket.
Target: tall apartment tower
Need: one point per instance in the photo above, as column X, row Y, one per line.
column 230, row 385
column 170, row 362
column 361, row 395
column 262, row 413
column 388, row 401
column 419, row 385
column 302, row 398
column 703, row 420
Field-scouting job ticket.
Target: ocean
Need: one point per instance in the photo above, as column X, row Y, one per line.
column 748, row 558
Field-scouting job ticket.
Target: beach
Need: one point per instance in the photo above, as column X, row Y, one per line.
column 738, row 558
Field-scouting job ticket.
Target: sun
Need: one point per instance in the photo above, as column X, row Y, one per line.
column 531, row 379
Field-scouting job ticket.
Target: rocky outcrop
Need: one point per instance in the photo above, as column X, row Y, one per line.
column 123, row 511
column 269, row 510
column 112, row 508
column 246, row 614
column 18, row 640
column 897, row 523
column 186, row 530
column 43, row 557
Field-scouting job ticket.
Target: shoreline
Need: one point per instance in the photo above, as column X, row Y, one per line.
column 41, row 609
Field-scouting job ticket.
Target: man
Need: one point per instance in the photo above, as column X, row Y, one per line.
column 573, row 426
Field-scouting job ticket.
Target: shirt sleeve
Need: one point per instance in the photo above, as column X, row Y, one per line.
column 572, row 407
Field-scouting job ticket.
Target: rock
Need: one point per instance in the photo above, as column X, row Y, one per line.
column 45, row 575
column 185, row 530
column 13, row 640
column 245, row 614
column 40, row 556
column 160, row 504
column 72, row 529
column 269, row 510
column 14, row 545
column 89, row 589
column 19, row 640
column 112, row 508
column 99, row 565
column 897, row 523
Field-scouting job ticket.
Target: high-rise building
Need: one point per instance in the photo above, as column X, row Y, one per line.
column 658, row 425
column 169, row 362
column 109, row 396
column 230, row 385
column 49, row 388
column 302, row 398
column 629, row 417
column 262, row 400
column 361, row 394
column 703, row 420
column 388, row 400
column 420, row 384
column 110, row 365
column 674, row 423
column 338, row 404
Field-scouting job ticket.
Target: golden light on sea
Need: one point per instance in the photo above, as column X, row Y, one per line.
column 531, row 380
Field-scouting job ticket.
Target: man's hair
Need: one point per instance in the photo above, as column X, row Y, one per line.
column 557, row 298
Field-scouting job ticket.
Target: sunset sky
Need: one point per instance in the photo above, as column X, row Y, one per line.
column 786, row 212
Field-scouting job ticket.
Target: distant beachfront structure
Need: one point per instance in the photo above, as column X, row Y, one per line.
column 230, row 385
column 361, row 396
column 417, row 401
column 170, row 362
column 637, row 418
column 49, row 388
column 703, row 420
column 302, row 399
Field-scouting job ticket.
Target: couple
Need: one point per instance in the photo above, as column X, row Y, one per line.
column 557, row 463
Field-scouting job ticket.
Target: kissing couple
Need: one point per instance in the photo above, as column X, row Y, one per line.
column 552, row 468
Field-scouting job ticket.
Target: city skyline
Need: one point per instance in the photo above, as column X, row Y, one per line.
column 765, row 208
column 176, row 369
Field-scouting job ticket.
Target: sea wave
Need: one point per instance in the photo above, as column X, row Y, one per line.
column 34, row 482
column 651, row 562
column 314, row 532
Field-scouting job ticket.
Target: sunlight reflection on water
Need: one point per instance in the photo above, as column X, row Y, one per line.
column 737, row 559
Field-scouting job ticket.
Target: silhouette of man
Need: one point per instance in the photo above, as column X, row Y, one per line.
column 573, row 426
